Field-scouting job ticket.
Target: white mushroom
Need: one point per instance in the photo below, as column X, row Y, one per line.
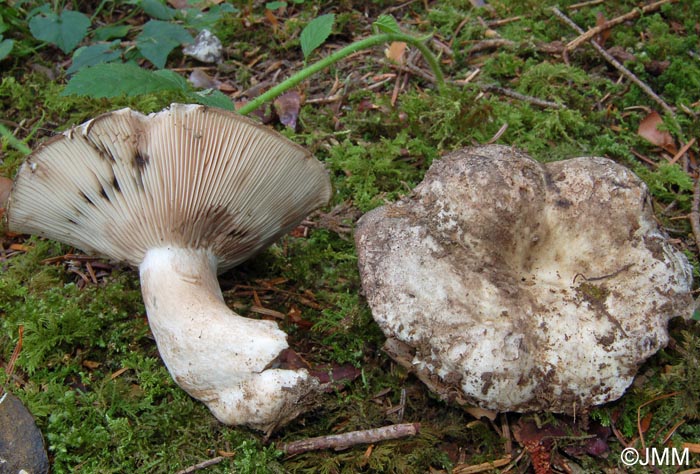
column 182, row 194
column 519, row 286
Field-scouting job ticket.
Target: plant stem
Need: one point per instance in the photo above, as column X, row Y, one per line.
column 340, row 54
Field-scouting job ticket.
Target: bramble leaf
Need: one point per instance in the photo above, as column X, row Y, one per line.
column 316, row 32
column 5, row 48
column 212, row 98
column 275, row 5
column 107, row 33
column 159, row 38
column 156, row 9
column 86, row 56
column 66, row 30
column 115, row 79
column 387, row 24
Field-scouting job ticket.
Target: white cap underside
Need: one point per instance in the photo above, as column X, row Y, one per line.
column 188, row 176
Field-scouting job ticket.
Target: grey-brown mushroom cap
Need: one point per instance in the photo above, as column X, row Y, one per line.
column 523, row 286
column 189, row 176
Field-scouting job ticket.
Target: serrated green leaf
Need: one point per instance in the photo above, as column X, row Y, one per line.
column 387, row 24
column 212, row 98
column 159, row 38
column 107, row 33
column 86, row 56
column 112, row 80
column 6, row 48
column 66, row 30
column 316, row 32
column 158, row 10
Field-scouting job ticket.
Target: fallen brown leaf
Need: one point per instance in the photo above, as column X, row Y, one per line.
column 603, row 36
column 395, row 52
column 287, row 107
column 5, row 188
column 649, row 130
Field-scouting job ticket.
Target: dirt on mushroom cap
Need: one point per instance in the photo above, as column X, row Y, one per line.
column 524, row 286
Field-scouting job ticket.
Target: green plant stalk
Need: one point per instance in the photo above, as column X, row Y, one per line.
column 366, row 43
column 14, row 141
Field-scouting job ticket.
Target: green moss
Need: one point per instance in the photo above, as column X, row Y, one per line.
column 98, row 417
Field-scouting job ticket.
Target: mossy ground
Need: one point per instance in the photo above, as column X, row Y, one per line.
column 89, row 370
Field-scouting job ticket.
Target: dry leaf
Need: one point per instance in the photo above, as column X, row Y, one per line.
column 272, row 19
column 5, row 188
column 603, row 36
column 395, row 52
column 649, row 129
column 202, row 80
column 287, row 107
column 645, row 422
column 20, row 247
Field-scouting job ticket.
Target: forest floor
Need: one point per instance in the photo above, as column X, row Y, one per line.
column 74, row 339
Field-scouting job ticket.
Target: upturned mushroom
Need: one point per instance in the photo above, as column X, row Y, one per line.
column 520, row 286
column 183, row 194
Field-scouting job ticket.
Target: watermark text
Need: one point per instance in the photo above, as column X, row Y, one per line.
column 655, row 457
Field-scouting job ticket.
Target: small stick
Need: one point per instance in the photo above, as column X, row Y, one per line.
column 505, row 21
column 10, row 367
column 483, row 467
column 616, row 64
column 202, row 465
column 524, row 98
column 695, row 212
column 345, row 440
column 615, row 21
column 682, row 151
column 590, row 3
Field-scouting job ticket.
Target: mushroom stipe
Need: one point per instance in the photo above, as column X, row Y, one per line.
column 183, row 194
column 518, row 286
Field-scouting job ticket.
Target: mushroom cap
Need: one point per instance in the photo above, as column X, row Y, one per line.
column 189, row 176
column 521, row 286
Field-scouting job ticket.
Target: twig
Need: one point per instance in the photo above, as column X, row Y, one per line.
column 682, row 151
column 577, row 6
column 695, row 212
column 483, row 467
column 202, row 465
column 494, row 43
column 616, row 64
column 345, row 440
column 524, row 98
column 639, row 413
column 588, row 35
column 504, row 21
column 10, row 367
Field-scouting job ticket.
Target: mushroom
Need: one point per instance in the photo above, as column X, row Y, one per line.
column 183, row 194
column 520, row 286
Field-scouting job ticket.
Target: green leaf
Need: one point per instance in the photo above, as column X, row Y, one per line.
column 158, row 10
column 86, row 56
column 115, row 79
column 159, row 38
column 316, row 32
column 66, row 30
column 5, row 48
column 387, row 24
column 107, row 33
column 275, row 5
column 196, row 19
column 212, row 98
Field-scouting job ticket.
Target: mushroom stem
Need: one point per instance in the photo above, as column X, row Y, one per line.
column 215, row 355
